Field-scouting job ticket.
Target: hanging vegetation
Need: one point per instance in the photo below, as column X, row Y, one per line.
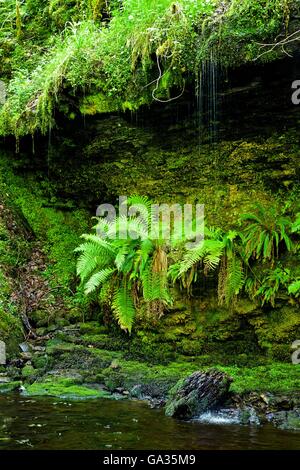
column 95, row 56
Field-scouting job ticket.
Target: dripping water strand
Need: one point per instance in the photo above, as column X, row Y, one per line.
column 207, row 88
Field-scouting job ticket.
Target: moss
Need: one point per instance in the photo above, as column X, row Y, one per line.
column 157, row 379
column 275, row 377
column 11, row 330
column 28, row 372
column 64, row 388
column 276, row 330
column 293, row 422
column 57, row 347
column 57, row 230
column 99, row 103
column 92, row 328
column 42, row 362
column 9, row 387
column 101, row 341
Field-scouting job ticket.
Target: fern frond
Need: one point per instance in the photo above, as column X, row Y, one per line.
column 210, row 251
column 288, row 242
column 159, row 289
column 92, row 256
column 120, row 258
column 296, row 224
column 97, row 279
column 231, row 280
column 235, row 278
column 105, row 229
column 294, row 288
column 132, row 228
column 143, row 206
column 99, row 241
column 174, row 271
column 267, row 248
column 123, row 307
column 146, row 250
column 266, row 229
column 146, row 280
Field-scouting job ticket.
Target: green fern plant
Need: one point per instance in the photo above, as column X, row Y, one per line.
column 294, row 288
column 205, row 256
column 218, row 251
column 231, row 277
column 296, row 224
column 271, row 284
column 128, row 269
column 265, row 231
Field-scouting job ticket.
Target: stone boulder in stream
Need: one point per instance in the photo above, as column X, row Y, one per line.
column 198, row 393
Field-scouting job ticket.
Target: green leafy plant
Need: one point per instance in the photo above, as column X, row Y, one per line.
column 266, row 231
column 205, row 256
column 294, row 288
column 271, row 284
column 126, row 269
column 231, row 277
column 218, row 251
column 111, row 55
column 296, row 224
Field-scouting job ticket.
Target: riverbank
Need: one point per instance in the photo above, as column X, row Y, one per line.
column 69, row 363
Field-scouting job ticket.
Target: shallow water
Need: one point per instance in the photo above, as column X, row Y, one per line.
column 46, row 423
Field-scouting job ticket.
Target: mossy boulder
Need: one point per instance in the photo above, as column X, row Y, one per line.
column 64, row 388
column 198, row 393
column 28, row 372
column 8, row 387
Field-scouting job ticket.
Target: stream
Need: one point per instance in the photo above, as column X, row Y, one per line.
column 57, row 424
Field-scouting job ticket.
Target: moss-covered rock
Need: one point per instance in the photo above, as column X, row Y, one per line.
column 9, row 387
column 29, row 373
column 64, row 388
column 196, row 394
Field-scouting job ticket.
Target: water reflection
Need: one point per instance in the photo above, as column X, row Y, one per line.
column 102, row 424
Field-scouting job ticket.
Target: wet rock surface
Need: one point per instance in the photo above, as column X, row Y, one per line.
column 2, row 353
column 286, row 420
column 198, row 393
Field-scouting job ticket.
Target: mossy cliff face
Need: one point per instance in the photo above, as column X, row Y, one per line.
column 37, row 264
column 12, row 246
column 166, row 155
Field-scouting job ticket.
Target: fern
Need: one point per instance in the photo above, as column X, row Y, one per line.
column 106, row 245
column 231, row 280
column 217, row 251
column 265, row 231
column 294, row 288
column 143, row 205
column 208, row 252
column 296, row 225
column 92, row 256
column 146, row 281
column 136, row 263
column 98, row 279
column 123, row 307
column 271, row 284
